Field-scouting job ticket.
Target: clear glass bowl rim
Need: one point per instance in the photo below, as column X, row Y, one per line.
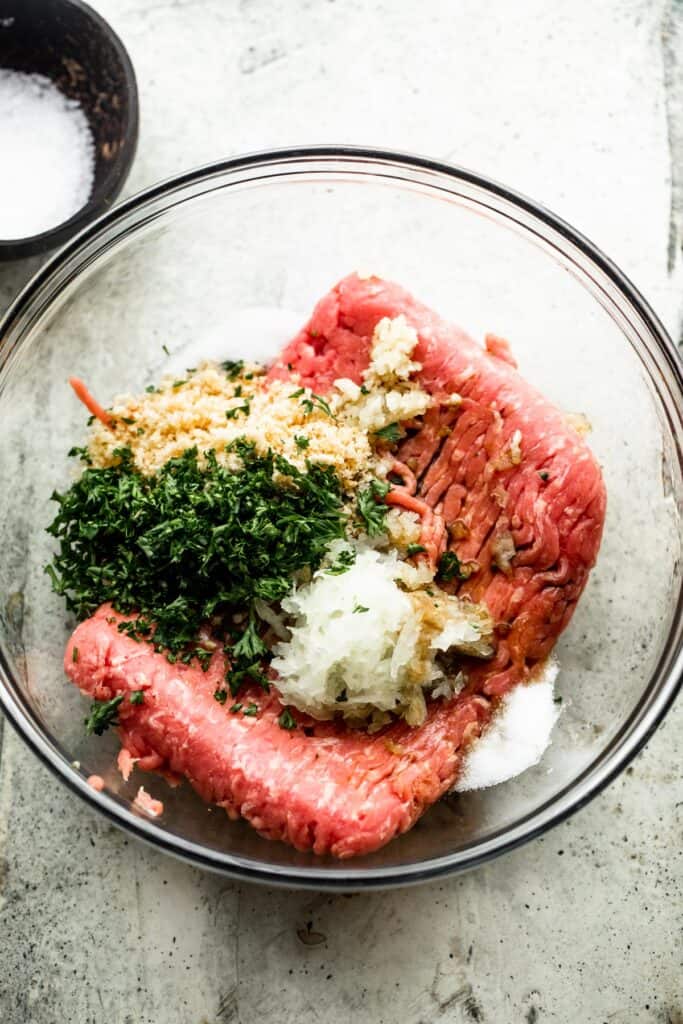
column 549, row 229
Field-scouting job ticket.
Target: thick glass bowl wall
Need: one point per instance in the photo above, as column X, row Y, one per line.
column 224, row 261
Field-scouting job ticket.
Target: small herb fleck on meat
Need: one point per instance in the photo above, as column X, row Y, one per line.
column 415, row 549
column 286, row 720
column 392, row 433
column 103, row 714
column 449, row 567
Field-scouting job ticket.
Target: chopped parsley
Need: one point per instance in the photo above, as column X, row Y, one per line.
column 301, row 441
column 391, row 433
column 235, row 708
column 220, row 695
column 360, row 608
column 151, row 389
column 251, row 711
column 364, row 390
column 80, row 453
column 250, row 646
column 75, row 654
column 415, row 549
column 233, row 367
column 166, row 350
column 231, row 414
column 102, row 715
column 286, row 720
column 127, row 419
column 315, row 401
column 449, row 567
column 544, row 475
column 371, row 513
column 137, row 697
column 178, row 383
column 236, row 677
column 192, row 543
column 345, row 559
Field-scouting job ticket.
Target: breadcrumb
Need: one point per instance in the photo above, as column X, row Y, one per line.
column 211, row 407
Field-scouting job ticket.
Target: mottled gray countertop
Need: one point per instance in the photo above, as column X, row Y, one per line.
column 579, row 105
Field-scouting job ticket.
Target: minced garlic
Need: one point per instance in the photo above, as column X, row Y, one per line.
column 402, row 527
column 393, row 343
column 388, row 394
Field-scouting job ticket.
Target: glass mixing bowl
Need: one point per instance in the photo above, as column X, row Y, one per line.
column 226, row 261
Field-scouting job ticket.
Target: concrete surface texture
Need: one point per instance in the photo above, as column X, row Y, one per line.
column 581, row 106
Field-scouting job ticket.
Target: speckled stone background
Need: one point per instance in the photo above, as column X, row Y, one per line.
column 581, row 106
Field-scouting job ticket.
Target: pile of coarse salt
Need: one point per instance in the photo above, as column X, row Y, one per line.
column 47, row 155
column 517, row 736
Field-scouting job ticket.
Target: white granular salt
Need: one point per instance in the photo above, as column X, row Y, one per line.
column 47, row 155
column 517, row 736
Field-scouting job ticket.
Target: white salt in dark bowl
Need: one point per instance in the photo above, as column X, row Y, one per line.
column 66, row 42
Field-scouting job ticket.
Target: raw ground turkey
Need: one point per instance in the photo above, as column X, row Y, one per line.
column 522, row 501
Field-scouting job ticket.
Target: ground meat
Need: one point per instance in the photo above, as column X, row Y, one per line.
column 502, row 478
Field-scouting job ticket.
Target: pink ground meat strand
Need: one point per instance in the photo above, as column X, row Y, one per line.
column 336, row 791
column 531, row 528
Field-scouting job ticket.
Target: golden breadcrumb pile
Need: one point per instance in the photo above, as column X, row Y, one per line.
column 211, row 407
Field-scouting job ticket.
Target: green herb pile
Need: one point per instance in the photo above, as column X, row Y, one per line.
column 194, row 544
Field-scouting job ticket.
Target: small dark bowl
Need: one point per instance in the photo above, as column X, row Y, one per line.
column 66, row 41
